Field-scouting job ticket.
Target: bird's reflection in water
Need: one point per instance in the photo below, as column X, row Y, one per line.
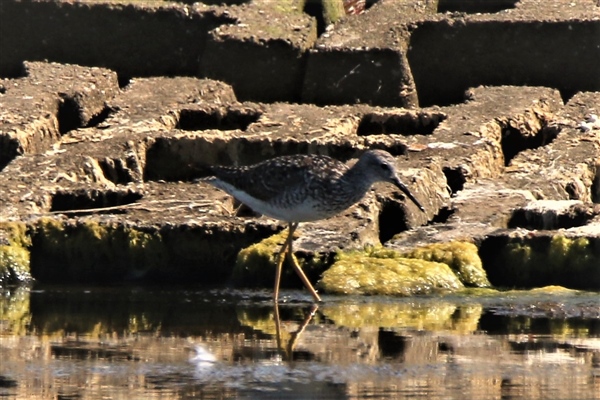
column 287, row 349
column 205, row 361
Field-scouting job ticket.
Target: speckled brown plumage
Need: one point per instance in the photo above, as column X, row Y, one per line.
column 306, row 187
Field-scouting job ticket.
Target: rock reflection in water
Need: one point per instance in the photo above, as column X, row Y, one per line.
column 177, row 343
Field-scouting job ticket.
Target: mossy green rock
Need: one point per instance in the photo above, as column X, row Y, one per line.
column 386, row 272
column 255, row 265
column 462, row 257
column 89, row 250
column 14, row 253
column 573, row 263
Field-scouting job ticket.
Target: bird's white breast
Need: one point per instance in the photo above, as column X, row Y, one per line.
column 302, row 212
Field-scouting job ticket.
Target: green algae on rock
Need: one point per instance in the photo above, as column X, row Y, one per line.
column 462, row 257
column 386, row 272
column 87, row 250
column 14, row 253
column 255, row 265
column 541, row 261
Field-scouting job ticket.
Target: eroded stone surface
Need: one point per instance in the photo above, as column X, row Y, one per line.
column 145, row 38
column 48, row 101
column 398, row 53
column 266, row 42
column 569, row 166
column 86, row 157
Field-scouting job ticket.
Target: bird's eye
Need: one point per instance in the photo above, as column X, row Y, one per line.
column 384, row 167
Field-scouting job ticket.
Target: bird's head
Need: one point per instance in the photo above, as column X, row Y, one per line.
column 380, row 166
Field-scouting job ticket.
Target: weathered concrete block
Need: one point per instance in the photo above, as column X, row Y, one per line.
column 161, row 99
column 47, row 102
column 91, row 238
column 149, row 38
column 513, row 47
column 553, row 215
column 262, row 58
column 373, row 76
column 474, row 212
column 523, row 258
column 398, row 53
column 363, row 59
column 569, row 166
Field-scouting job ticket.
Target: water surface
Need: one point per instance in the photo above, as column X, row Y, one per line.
column 180, row 343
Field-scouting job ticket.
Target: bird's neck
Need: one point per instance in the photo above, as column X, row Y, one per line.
column 357, row 181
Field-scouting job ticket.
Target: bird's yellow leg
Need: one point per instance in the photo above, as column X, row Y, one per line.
column 280, row 258
column 277, row 325
column 303, row 277
column 294, row 261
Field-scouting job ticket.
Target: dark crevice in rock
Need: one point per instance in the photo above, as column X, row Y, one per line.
column 595, row 189
column 550, row 219
column 18, row 71
column 9, row 149
column 100, row 117
column 456, row 179
column 396, row 149
column 90, row 199
column 400, row 124
column 117, row 170
column 68, row 116
column 515, row 141
column 572, row 190
column 475, row 6
column 370, row 3
column 314, row 8
column 167, row 159
column 392, row 220
column 198, row 120
column 442, row 216
column 123, row 80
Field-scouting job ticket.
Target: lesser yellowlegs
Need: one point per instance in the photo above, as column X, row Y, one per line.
column 303, row 188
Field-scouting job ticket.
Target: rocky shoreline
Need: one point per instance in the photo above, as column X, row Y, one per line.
column 96, row 182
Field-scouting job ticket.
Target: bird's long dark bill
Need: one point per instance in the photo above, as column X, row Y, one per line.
column 407, row 192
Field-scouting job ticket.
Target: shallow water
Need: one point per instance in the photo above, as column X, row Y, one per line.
column 144, row 343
